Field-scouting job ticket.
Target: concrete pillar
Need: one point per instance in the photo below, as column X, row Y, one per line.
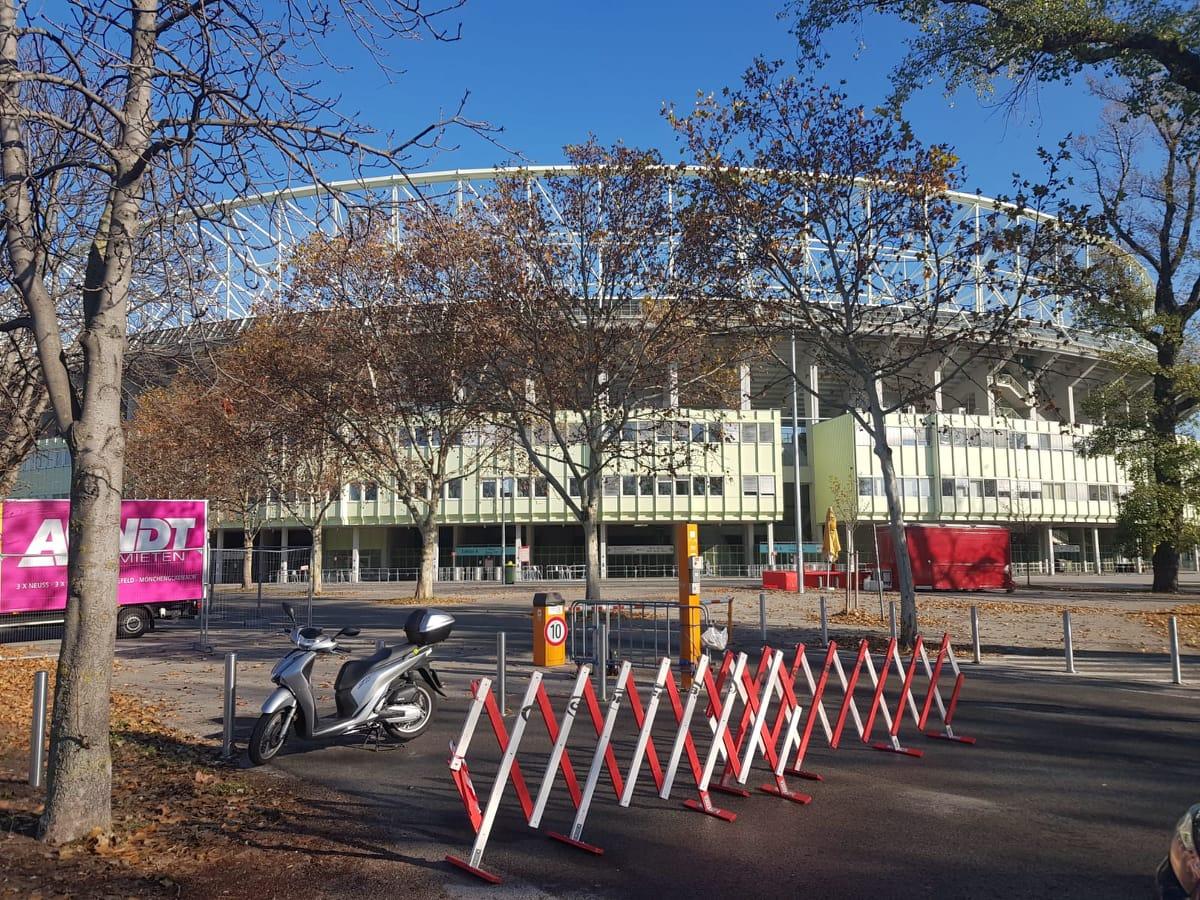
column 603, row 529
column 517, row 535
column 354, row 554
column 283, row 555
column 673, row 387
column 437, row 556
column 1050, row 547
column 771, row 544
column 1031, row 393
column 1071, row 404
column 812, row 403
column 529, row 540
column 748, row 544
column 937, row 390
column 744, row 386
column 1096, row 544
column 1196, row 558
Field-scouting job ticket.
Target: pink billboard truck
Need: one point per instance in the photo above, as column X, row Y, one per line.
column 163, row 561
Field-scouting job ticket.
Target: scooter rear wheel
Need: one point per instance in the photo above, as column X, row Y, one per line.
column 268, row 737
column 427, row 700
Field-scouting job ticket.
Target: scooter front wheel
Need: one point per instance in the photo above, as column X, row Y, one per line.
column 427, row 701
column 268, row 736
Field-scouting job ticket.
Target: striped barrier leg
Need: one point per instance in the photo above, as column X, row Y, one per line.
column 748, row 689
column 644, row 740
column 610, row 758
column 778, row 677
column 559, row 751
column 684, row 743
column 458, row 754
column 879, row 705
column 818, row 692
column 508, row 763
column 945, row 652
column 721, row 738
column 759, row 706
column 602, row 747
column 848, row 686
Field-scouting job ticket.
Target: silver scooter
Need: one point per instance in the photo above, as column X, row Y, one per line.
column 375, row 694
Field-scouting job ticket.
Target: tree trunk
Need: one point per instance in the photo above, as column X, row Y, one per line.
column 315, row 557
column 1166, row 568
column 909, row 626
column 79, row 782
column 591, row 553
column 427, row 573
column 247, row 559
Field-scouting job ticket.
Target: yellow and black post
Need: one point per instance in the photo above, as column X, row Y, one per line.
column 687, row 563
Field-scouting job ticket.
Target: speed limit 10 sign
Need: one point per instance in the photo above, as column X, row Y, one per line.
column 556, row 631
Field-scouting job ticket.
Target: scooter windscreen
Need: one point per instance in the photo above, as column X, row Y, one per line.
column 426, row 626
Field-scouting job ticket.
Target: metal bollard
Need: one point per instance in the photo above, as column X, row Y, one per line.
column 824, row 624
column 1068, row 645
column 230, row 705
column 501, row 672
column 37, row 733
column 602, row 660
column 1176, row 667
column 892, row 618
column 762, row 614
column 975, row 633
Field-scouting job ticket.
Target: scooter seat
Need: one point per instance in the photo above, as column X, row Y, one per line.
column 353, row 670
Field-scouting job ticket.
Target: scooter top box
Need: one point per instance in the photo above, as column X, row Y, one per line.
column 427, row 626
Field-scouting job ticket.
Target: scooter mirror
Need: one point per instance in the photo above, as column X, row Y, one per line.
column 289, row 612
column 349, row 632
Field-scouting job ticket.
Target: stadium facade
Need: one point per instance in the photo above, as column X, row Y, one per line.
column 995, row 445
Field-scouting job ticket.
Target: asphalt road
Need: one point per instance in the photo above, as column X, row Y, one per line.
column 1071, row 791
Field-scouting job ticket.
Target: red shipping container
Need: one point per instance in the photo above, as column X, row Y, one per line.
column 952, row 557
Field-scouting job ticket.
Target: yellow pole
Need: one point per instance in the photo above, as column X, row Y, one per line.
column 687, row 549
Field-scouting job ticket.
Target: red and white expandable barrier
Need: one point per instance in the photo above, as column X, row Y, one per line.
column 797, row 693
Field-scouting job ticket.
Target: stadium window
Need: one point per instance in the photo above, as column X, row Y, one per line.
column 749, row 433
column 355, row 492
column 699, row 432
column 908, row 437
column 716, row 485
column 1004, row 489
column 861, row 438
column 1072, row 491
column 989, row 488
column 947, row 487
column 541, row 488
column 865, row 486
column 524, row 488
column 629, row 485
column 944, row 437
column 958, row 437
column 715, row 433
column 1018, row 440
column 454, row 489
column 421, row 488
column 646, row 485
column 612, row 485
column 893, row 436
column 698, row 484
column 682, row 432
column 1093, row 492
column 681, row 487
column 976, row 488
column 749, row 485
column 961, row 488
column 629, row 432
column 766, row 433
column 923, row 436
column 664, row 487
column 573, row 487
column 370, row 491
column 766, row 485
column 662, row 432
column 1043, row 441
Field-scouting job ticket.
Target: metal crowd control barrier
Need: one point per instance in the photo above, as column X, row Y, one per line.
column 641, row 631
column 793, row 689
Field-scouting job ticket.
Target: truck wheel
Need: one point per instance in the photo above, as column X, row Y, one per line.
column 132, row 621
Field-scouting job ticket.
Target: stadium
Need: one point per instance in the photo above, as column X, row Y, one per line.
column 994, row 445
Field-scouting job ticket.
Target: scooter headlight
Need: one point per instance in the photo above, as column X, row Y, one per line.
column 1185, row 860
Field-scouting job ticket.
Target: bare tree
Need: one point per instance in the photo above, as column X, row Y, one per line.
column 595, row 349
column 835, row 226
column 410, row 392
column 169, row 105
column 184, row 442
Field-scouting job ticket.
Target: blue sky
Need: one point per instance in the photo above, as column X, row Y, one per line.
column 551, row 72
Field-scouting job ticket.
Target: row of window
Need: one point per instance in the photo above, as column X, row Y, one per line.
column 997, row 489
column 48, row 459
column 612, row 486
column 997, row 438
column 699, row 432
